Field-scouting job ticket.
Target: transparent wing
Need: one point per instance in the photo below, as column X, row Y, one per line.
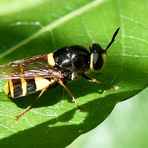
column 28, row 68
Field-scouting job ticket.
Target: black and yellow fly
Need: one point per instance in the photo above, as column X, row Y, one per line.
column 40, row 72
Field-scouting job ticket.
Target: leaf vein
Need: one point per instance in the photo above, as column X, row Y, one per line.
column 53, row 25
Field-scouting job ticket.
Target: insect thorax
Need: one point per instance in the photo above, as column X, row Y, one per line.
column 74, row 58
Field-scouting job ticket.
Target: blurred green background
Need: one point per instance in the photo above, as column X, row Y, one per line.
column 125, row 127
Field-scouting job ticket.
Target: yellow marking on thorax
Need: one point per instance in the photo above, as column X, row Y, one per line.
column 11, row 88
column 91, row 62
column 104, row 56
column 24, row 86
column 51, row 60
column 6, row 88
column 42, row 83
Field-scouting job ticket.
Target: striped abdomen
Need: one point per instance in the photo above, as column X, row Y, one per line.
column 21, row 87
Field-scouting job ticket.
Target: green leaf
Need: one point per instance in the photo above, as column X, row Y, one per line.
column 41, row 26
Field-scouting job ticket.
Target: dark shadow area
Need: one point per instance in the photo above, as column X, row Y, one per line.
column 12, row 34
column 47, row 135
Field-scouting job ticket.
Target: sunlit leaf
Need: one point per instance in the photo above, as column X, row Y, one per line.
column 39, row 27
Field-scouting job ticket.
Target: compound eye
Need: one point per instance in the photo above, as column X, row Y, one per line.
column 96, row 61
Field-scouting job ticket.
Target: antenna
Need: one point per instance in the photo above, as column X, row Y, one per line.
column 112, row 40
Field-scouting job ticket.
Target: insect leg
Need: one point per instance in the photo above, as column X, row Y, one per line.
column 93, row 80
column 71, row 95
column 29, row 106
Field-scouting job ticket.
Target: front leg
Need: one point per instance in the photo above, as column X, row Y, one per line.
column 93, row 80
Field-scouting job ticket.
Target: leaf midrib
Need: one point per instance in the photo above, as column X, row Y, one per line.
column 53, row 25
